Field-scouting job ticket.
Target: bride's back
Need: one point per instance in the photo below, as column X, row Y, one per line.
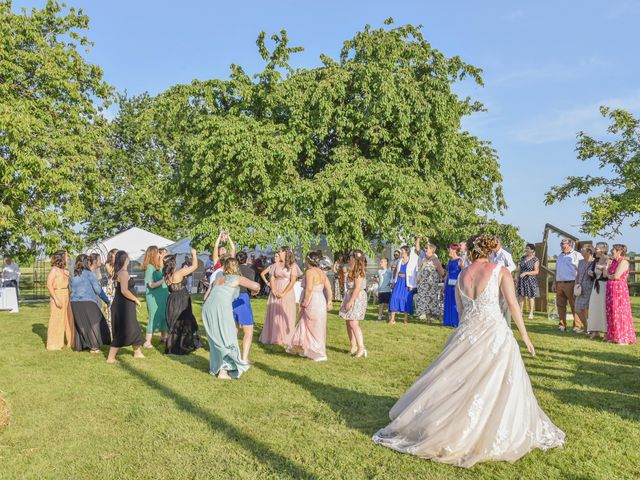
column 475, row 279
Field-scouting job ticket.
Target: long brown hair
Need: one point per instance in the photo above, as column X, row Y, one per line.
column 169, row 268
column 151, row 258
column 119, row 260
column 289, row 257
column 59, row 260
column 358, row 269
column 82, row 263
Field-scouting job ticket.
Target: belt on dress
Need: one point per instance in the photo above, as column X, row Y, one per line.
column 63, row 288
column 402, row 275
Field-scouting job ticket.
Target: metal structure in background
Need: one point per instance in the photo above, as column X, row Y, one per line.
column 546, row 274
column 33, row 281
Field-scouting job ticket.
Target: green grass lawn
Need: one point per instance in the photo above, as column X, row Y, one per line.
column 74, row 416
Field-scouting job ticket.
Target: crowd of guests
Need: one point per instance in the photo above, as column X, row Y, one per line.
column 592, row 283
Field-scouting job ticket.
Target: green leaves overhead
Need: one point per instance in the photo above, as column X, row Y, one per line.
column 367, row 147
column 613, row 198
column 51, row 134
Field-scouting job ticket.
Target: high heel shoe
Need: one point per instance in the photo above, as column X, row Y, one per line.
column 353, row 351
column 362, row 353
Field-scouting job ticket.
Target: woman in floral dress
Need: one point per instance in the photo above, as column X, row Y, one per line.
column 428, row 300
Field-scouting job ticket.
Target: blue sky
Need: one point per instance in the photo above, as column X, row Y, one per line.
column 548, row 66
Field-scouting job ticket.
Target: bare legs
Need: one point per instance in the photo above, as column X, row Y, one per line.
column 356, row 338
column 111, row 358
column 149, row 336
column 247, row 339
column 381, row 308
column 532, row 306
column 583, row 315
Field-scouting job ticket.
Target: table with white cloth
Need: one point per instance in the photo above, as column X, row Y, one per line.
column 9, row 299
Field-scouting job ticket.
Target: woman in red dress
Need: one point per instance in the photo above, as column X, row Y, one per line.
column 619, row 320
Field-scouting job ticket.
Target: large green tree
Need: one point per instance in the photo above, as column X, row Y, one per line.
column 614, row 197
column 365, row 147
column 141, row 188
column 51, row 132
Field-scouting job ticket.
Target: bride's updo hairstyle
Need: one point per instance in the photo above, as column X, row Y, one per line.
column 481, row 246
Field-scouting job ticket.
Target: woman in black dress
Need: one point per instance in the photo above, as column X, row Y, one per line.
column 124, row 321
column 183, row 337
column 528, row 279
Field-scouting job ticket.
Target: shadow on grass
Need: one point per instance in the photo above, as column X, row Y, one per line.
column 40, row 330
column 360, row 411
column 277, row 463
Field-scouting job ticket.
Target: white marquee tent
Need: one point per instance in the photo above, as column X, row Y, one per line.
column 133, row 241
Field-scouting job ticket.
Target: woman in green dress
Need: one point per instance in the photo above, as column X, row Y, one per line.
column 225, row 360
column 156, row 295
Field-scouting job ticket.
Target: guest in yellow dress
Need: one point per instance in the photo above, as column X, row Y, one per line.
column 61, row 318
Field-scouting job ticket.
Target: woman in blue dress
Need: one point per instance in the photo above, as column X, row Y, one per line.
column 225, row 359
column 454, row 267
column 404, row 284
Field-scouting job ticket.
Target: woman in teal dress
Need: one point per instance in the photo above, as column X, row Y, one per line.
column 156, row 295
column 225, row 360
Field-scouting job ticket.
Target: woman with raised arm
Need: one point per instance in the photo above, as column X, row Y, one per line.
column 220, row 253
column 183, row 336
column 156, row 295
column 428, row 299
column 225, row 359
column 354, row 304
column 280, row 319
column 61, row 318
column 475, row 402
column 310, row 337
column 124, row 320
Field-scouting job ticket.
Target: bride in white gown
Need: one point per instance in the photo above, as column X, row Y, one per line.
column 474, row 402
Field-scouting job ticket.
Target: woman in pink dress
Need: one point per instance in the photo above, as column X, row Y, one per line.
column 619, row 319
column 281, row 306
column 310, row 337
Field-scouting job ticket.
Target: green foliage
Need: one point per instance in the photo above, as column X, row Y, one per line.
column 365, row 148
column 141, row 189
column 613, row 198
column 51, row 133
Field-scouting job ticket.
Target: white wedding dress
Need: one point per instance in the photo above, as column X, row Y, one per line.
column 474, row 402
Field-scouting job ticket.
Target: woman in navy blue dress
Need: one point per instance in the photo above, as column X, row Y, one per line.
column 454, row 267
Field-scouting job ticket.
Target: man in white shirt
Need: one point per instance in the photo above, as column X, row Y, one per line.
column 565, row 280
column 503, row 258
column 10, row 273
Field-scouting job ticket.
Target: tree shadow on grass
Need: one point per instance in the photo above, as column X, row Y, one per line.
column 274, row 461
column 360, row 411
column 40, row 330
column 622, row 405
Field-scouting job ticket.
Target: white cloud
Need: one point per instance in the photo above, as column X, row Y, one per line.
column 565, row 124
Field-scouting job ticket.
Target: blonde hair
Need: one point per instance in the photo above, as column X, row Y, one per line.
column 231, row 266
column 151, row 258
column 481, row 246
